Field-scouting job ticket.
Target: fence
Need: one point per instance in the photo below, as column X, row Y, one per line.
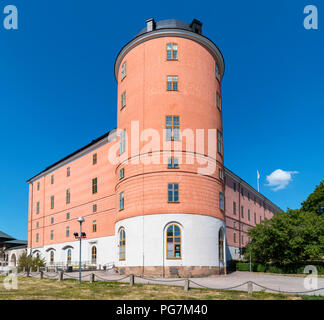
column 187, row 283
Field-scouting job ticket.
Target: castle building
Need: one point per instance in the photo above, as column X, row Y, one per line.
column 154, row 193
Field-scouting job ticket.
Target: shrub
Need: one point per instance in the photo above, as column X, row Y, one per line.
column 28, row 261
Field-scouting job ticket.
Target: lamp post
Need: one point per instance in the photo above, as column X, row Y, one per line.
column 250, row 243
column 82, row 235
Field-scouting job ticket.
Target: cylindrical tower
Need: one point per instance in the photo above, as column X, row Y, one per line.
column 169, row 178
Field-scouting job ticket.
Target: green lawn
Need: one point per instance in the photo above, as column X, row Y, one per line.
column 46, row 289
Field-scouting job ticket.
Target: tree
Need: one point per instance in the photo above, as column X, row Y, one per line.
column 290, row 237
column 28, row 261
column 315, row 201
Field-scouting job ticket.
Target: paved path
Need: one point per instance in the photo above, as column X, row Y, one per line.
column 282, row 283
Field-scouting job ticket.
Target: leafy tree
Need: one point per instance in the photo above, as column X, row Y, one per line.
column 28, row 261
column 315, row 201
column 288, row 238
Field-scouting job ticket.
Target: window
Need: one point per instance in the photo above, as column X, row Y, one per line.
column 122, row 244
column 234, row 186
column 69, row 256
column 255, row 221
column 173, row 239
column 38, row 186
column 172, row 51
column 122, row 141
column 220, row 173
column 254, row 200
column 37, row 237
column 249, row 196
column 242, row 239
column 249, row 215
column 51, row 256
column 123, row 75
column 234, row 208
column 94, row 159
column 94, row 255
column 52, row 234
column 242, row 191
column 218, row 100
column 172, row 128
column 67, row 232
column 173, row 192
column 173, row 163
column 37, row 207
column 242, row 212
column 121, row 201
column 122, row 173
column 68, row 216
column 221, row 244
column 52, row 220
column 219, row 142
column 217, row 71
column 172, row 83
column 94, row 226
column 37, row 224
column 52, row 202
column 260, row 219
column 234, row 237
column 221, row 201
column 68, row 171
column 94, row 186
column 234, row 224
column 94, row 208
column 123, row 100
column 52, row 179
column 68, row 196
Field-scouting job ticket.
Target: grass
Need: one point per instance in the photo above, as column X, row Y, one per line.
column 48, row 289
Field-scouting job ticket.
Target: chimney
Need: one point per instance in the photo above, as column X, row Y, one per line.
column 196, row 26
column 150, row 25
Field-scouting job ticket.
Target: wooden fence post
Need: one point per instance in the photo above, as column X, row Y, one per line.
column 131, row 280
column 186, row 285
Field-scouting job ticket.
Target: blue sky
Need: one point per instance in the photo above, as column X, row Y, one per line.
column 58, row 92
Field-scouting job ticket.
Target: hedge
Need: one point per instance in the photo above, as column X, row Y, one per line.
column 292, row 269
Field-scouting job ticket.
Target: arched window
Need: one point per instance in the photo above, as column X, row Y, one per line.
column 221, row 244
column 52, row 257
column 69, row 256
column 122, row 244
column 173, row 242
column 94, row 255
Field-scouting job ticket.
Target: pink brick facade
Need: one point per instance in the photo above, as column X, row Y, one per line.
column 146, row 212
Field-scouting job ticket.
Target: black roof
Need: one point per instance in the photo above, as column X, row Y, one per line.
column 5, row 236
column 169, row 24
column 74, row 153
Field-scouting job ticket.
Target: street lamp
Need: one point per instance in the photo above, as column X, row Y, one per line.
column 250, row 243
column 82, row 235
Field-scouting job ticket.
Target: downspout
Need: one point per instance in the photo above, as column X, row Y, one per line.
column 239, row 214
column 31, row 218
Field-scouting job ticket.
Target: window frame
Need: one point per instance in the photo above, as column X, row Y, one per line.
column 94, row 185
column 122, row 244
column 124, row 70
column 94, row 159
column 122, row 200
column 68, row 196
column 172, row 50
column 174, row 257
column 174, row 164
column 123, row 100
column 94, row 226
column 94, row 255
column 173, row 192
column 173, row 128
column 174, row 83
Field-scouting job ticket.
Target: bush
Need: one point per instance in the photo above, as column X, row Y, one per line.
column 28, row 261
column 288, row 269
